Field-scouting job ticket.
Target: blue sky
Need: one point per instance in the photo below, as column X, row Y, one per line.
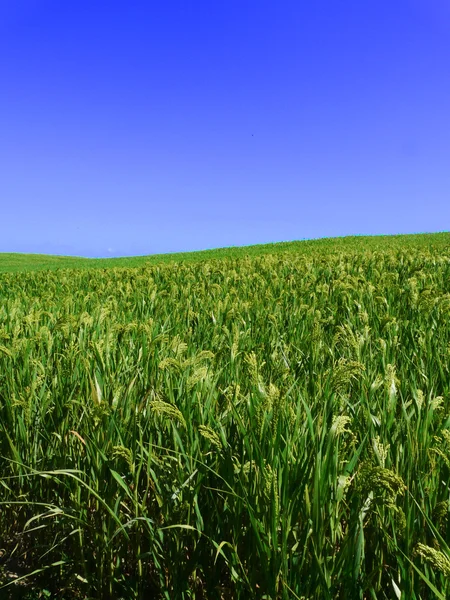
column 142, row 127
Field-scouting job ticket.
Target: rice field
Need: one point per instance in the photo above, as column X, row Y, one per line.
column 268, row 426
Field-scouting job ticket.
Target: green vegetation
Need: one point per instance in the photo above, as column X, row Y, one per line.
column 273, row 423
column 37, row 262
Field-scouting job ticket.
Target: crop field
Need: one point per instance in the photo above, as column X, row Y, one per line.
column 271, row 425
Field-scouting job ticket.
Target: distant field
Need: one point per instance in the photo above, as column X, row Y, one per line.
column 10, row 262
column 267, row 423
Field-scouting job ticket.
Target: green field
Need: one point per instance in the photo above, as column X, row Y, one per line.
column 268, row 422
column 37, row 262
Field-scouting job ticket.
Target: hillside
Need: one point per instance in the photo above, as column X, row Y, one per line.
column 11, row 262
column 274, row 424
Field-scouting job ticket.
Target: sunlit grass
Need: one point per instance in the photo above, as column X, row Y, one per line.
column 253, row 426
column 13, row 262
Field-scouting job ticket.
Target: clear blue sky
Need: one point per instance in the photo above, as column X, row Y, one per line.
column 131, row 127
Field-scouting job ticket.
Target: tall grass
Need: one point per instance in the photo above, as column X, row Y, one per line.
column 256, row 427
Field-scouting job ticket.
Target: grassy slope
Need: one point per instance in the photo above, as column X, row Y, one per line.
column 324, row 397
column 10, row 262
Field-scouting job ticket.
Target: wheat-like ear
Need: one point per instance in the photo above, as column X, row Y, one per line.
column 435, row 558
column 199, row 374
column 391, row 380
column 420, row 399
column 169, row 362
column 197, row 359
column 440, row 513
column 178, row 347
column 252, row 366
column 164, row 409
column 384, row 483
column 344, row 372
column 339, row 425
column 436, row 403
column 209, row 434
column 120, row 452
column 381, row 450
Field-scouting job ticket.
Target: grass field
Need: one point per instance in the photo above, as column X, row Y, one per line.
column 269, row 422
column 37, row 262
